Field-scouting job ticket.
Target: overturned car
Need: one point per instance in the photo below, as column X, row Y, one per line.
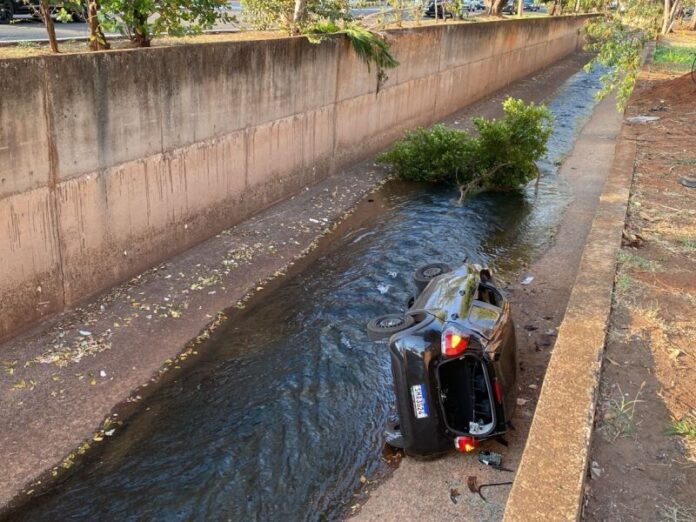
column 453, row 358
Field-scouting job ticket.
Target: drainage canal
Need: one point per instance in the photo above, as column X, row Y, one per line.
column 284, row 410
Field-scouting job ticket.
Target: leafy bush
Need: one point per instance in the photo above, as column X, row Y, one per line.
column 501, row 156
column 437, row 154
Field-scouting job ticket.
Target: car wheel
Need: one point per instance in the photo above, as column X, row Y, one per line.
column 387, row 325
column 424, row 274
column 6, row 12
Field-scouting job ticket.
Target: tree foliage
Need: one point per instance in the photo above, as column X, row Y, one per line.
column 502, row 155
column 141, row 20
column 618, row 39
column 370, row 47
column 271, row 14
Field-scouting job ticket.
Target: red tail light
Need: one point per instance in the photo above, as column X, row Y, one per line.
column 465, row 444
column 454, row 342
column 498, row 393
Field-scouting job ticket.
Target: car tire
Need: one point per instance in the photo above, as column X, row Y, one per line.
column 6, row 12
column 387, row 325
column 426, row 273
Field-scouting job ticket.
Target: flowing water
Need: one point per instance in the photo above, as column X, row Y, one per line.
column 284, row 410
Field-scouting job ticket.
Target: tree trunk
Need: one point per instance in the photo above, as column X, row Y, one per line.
column 576, row 10
column 692, row 24
column 554, row 8
column 48, row 22
column 298, row 16
column 97, row 40
column 668, row 14
column 520, row 8
column 495, row 8
column 141, row 36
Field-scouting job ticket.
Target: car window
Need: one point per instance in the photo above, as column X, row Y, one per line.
column 483, row 318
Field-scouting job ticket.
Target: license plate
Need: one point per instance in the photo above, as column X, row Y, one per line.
column 420, row 407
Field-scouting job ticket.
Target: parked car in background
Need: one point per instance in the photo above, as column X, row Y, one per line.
column 510, row 7
column 529, row 5
column 10, row 8
column 441, row 11
column 473, row 5
column 454, row 361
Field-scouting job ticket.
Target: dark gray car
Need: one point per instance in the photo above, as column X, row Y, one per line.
column 453, row 357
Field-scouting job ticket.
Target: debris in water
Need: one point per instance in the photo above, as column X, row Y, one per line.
column 383, row 289
column 392, row 274
column 527, row 280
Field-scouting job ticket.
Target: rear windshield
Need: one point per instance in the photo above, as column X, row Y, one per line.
column 483, row 317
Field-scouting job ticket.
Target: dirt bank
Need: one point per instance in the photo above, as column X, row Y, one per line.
column 438, row 490
column 61, row 380
column 640, row 468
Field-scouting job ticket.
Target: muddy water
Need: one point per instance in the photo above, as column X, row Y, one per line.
column 284, row 410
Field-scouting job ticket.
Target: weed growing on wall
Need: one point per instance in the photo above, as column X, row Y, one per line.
column 502, row 155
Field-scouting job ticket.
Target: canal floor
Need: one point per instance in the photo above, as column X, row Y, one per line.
column 281, row 416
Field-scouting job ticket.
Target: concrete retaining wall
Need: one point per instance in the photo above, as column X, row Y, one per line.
column 112, row 162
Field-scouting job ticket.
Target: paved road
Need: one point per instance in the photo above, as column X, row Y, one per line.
column 25, row 28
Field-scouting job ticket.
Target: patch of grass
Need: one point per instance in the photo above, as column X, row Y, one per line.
column 623, row 283
column 674, row 56
column 617, row 420
column 686, row 427
column 688, row 243
column 630, row 259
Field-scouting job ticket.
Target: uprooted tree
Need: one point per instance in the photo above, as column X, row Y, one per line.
column 501, row 156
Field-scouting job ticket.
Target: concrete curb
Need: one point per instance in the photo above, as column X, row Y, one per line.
column 550, row 478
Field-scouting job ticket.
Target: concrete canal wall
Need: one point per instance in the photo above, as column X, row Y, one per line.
column 113, row 162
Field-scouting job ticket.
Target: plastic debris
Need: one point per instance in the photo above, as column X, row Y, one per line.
column 642, row 119
column 490, row 458
column 383, row 289
column 527, row 280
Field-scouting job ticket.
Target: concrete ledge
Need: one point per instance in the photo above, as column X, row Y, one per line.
column 550, row 478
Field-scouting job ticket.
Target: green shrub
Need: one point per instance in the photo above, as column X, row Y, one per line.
column 433, row 154
column 501, row 156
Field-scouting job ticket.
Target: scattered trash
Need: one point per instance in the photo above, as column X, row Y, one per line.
column 454, row 493
column 102, row 373
column 642, row 119
column 522, row 402
column 314, row 220
column 492, row 459
column 110, row 432
column 392, row 274
column 85, row 333
column 474, row 487
column 527, row 280
column 382, row 288
column 688, row 181
column 550, row 331
column 533, row 386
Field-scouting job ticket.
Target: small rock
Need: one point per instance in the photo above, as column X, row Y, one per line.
column 595, row 470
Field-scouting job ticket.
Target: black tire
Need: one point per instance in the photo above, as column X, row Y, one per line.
column 387, row 325
column 6, row 12
column 426, row 273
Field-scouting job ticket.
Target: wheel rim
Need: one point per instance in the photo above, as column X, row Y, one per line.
column 432, row 271
column 390, row 322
